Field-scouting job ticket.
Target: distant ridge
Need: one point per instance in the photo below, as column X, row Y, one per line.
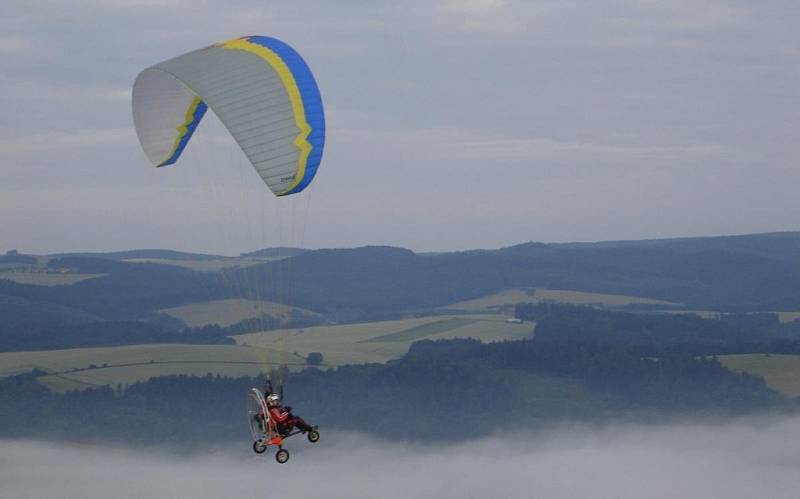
column 765, row 236
column 783, row 246
column 759, row 272
column 758, row 244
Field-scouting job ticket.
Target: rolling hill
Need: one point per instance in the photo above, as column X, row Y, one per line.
column 758, row 272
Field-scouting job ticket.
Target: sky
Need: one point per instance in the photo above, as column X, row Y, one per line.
column 450, row 124
column 741, row 460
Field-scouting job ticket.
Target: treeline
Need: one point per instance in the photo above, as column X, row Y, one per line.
column 12, row 257
column 127, row 292
column 158, row 328
column 446, row 390
column 103, row 334
column 658, row 335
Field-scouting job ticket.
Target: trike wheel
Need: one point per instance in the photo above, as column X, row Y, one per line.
column 259, row 447
column 313, row 436
column 282, row 456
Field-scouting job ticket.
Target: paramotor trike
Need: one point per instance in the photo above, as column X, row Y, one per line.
column 264, row 430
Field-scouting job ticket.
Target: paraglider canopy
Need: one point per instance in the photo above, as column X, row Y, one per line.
column 261, row 90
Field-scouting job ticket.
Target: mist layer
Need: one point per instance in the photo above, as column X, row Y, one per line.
column 753, row 458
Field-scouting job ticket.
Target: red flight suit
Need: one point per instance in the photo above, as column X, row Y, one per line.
column 287, row 420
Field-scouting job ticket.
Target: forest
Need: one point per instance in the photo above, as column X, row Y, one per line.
column 442, row 390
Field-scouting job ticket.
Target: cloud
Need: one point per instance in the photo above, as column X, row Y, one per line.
column 474, row 5
column 465, row 145
column 55, row 140
column 746, row 459
column 577, row 104
column 494, row 17
column 48, row 93
column 93, row 94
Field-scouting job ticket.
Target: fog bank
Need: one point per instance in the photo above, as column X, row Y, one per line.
column 752, row 458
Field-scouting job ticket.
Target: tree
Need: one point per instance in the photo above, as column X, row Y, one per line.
column 314, row 358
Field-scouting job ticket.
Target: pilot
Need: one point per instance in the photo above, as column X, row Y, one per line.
column 283, row 417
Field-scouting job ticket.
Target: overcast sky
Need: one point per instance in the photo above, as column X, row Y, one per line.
column 451, row 124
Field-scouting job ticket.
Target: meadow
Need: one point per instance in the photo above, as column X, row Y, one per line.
column 383, row 340
column 781, row 372
column 508, row 298
column 228, row 312
column 206, row 265
column 47, row 278
column 253, row 353
column 86, row 367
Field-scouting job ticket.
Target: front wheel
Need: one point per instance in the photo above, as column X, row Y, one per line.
column 259, row 447
column 313, row 436
column 282, row 456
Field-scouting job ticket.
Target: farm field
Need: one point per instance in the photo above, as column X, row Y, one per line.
column 71, row 369
column 229, row 312
column 788, row 316
column 206, row 265
column 384, row 340
column 423, row 331
column 781, row 372
column 510, row 297
column 585, row 298
column 497, row 301
column 86, row 367
column 124, row 375
column 47, row 278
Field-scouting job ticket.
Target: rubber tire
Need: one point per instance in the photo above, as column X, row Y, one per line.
column 282, row 456
column 313, row 436
column 259, row 448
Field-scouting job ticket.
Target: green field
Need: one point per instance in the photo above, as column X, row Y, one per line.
column 384, row 340
column 47, row 278
column 126, row 374
column 497, row 301
column 72, row 369
column 423, row 331
column 229, row 312
column 508, row 298
column 39, row 274
column 781, row 372
column 788, row 316
column 211, row 265
column 584, row 298
column 346, row 344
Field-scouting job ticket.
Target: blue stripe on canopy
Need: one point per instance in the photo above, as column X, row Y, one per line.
column 197, row 115
column 312, row 103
